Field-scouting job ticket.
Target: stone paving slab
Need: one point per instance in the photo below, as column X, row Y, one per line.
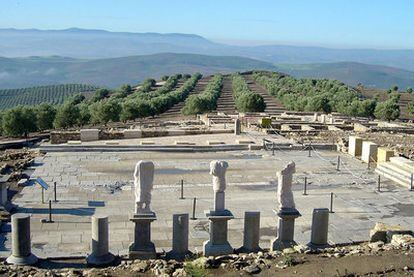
column 252, row 187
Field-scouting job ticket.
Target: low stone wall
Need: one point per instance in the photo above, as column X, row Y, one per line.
column 58, row 137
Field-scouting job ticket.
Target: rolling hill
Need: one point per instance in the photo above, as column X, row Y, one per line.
column 374, row 76
column 81, row 43
column 35, row 71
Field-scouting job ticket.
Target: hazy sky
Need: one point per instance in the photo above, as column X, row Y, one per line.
column 332, row 23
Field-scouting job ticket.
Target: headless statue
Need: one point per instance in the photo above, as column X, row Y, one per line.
column 284, row 187
column 218, row 171
column 143, row 179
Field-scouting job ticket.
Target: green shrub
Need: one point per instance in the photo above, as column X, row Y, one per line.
column 245, row 99
column 67, row 115
column 19, row 121
column 105, row 111
column 45, row 115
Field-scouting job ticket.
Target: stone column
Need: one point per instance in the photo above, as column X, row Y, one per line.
column 21, row 244
column 180, row 237
column 237, row 127
column 251, row 234
column 319, row 233
column 287, row 212
column 218, row 243
column 3, row 194
column 100, row 242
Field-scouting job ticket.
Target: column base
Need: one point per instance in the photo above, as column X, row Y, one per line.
column 318, row 246
column 142, row 253
column 248, row 250
column 210, row 249
column 278, row 245
column 28, row 260
column 100, row 260
column 173, row 255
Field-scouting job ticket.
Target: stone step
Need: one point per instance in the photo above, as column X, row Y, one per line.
column 404, row 163
column 393, row 175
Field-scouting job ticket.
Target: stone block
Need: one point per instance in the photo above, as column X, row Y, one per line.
column 146, row 142
column 177, row 142
column 384, row 154
column 132, row 133
column 112, row 142
column 244, row 141
column 89, row 134
column 74, row 142
column 384, row 232
column 285, row 127
column 369, row 152
column 355, row 146
column 215, row 142
column 176, row 132
column 265, row 122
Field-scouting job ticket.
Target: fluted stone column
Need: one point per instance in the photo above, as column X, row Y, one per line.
column 180, row 237
column 319, row 232
column 100, row 242
column 251, row 234
column 21, row 243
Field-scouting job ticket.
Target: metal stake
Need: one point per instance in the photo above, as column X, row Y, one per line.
column 182, row 189
column 338, row 163
column 194, row 208
column 379, row 183
column 306, row 184
column 310, row 149
column 411, row 182
column 273, row 148
column 54, row 190
column 43, row 195
column 331, row 207
column 50, row 211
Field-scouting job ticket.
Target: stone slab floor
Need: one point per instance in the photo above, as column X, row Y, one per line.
column 100, row 183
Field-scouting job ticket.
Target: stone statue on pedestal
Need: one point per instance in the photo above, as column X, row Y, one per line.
column 286, row 211
column 143, row 182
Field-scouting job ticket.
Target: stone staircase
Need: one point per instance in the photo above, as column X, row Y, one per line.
column 273, row 106
column 398, row 169
column 225, row 103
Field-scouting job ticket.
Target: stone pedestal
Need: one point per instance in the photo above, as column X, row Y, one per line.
column 4, row 202
column 218, row 243
column 319, row 233
column 142, row 247
column 369, row 152
column 100, row 242
column 237, row 127
column 355, row 146
column 286, row 229
column 180, row 238
column 251, row 235
column 89, row 134
column 21, row 244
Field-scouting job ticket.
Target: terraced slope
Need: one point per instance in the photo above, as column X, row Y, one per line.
column 225, row 103
column 175, row 111
column 273, row 105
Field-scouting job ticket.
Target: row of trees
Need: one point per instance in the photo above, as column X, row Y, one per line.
column 53, row 94
column 245, row 99
column 326, row 96
column 104, row 106
column 205, row 101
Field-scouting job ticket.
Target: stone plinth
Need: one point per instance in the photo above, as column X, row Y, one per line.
column 21, row 243
column 355, row 146
column 218, row 243
column 285, row 230
column 180, row 238
column 142, row 247
column 100, row 242
column 89, row 134
column 384, row 154
column 251, row 235
column 319, row 232
column 3, row 194
column 132, row 133
column 369, row 152
column 237, row 127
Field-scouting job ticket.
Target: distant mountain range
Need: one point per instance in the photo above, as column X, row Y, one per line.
column 35, row 57
column 34, row 71
column 81, row 43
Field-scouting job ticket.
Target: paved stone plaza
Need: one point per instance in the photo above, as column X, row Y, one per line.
column 100, row 183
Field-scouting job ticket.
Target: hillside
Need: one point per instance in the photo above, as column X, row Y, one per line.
column 54, row 94
column 34, row 71
column 374, row 76
column 81, row 43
